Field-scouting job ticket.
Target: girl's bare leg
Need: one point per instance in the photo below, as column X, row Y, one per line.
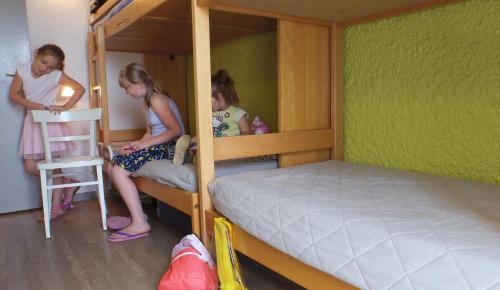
column 30, row 166
column 130, row 195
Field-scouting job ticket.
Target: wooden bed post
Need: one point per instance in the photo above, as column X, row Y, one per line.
column 337, row 102
column 203, row 105
column 103, row 95
column 91, row 51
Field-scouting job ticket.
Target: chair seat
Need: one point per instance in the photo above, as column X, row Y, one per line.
column 70, row 162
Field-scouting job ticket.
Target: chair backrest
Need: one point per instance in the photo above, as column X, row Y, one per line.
column 44, row 117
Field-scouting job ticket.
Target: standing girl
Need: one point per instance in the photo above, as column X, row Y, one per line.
column 164, row 125
column 36, row 86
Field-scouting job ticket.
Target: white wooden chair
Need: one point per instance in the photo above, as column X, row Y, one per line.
column 48, row 165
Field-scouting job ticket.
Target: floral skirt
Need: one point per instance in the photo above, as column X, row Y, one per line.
column 135, row 160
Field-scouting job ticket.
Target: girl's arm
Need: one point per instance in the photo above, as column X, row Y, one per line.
column 17, row 96
column 159, row 104
column 66, row 81
column 245, row 128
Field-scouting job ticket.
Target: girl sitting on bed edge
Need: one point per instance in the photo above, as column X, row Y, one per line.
column 164, row 125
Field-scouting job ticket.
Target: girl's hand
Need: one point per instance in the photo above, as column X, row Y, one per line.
column 138, row 145
column 126, row 150
column 56, row 109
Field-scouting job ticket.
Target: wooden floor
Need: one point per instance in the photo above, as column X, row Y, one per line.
column 78, row 256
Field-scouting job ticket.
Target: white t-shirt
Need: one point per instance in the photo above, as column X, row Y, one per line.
column 43, row 89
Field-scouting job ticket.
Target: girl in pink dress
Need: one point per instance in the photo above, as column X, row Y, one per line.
column 36, row 86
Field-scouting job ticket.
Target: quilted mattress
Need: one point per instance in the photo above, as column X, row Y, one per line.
column 374, row 228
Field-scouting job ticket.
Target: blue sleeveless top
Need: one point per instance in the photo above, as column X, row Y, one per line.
column 157, row 126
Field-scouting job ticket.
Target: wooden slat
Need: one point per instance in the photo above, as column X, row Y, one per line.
column 126, row 134
column 203, row 106
column 178, row 198
column 276, row 143
column 304, row 83
column 214, row 5
column 337, row 102
column 91, row 52
column 397, row 11
column 102, row 11
column 300, row 273
column 103, row 84
column 130, row 14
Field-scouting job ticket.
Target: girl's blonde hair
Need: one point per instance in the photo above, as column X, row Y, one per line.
column 134, row 73
column 222, row 83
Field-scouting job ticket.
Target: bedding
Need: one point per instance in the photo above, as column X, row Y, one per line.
column 112, row 12
column 374, row 228
column 185, row 176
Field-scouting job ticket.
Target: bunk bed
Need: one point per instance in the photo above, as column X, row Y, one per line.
column 162, row 31
column 309, row 134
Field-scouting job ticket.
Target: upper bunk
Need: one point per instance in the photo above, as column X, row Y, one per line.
column 164, row 26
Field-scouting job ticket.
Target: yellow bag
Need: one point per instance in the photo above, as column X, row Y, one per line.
column 228, row 267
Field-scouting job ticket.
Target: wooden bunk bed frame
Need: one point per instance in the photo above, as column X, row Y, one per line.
column 308, row 132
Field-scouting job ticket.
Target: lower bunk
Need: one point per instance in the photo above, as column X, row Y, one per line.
column 177, row 186
column 340, row 225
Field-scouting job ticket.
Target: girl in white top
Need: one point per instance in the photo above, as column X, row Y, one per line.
column 36, row 86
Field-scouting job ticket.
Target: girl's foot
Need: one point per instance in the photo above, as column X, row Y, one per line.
column 69, row 193
column 133, row 231
column 56, row 211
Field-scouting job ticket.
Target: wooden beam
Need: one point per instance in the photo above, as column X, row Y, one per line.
column 275, row 143
column 130, row 14
column 244, row 10
column 103, row 84
column 177, row 198
column 203, row 107
column 93, row 18
column 205, row 3
column 337, row 102
column 293, row 269
column 397, row 12
column 91, row 53
column 126, row 134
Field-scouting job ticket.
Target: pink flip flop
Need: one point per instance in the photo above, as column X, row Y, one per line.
column 118, row 222
column 123, row 236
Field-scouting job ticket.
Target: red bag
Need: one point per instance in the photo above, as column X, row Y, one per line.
column 192, row 267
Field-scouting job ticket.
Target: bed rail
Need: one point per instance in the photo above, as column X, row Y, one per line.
column 130, row 14
column 275, row 143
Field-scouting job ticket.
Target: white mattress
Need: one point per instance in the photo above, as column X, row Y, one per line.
column 185, row 176
column 371, row 227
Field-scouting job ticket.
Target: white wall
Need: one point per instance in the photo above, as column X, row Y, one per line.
column 64, row 23
column 124, row 111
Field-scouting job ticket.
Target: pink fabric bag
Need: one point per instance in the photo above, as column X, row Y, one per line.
column 192, row 267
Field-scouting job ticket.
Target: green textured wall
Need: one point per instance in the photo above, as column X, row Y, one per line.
column 423, row 91
column 251, row 62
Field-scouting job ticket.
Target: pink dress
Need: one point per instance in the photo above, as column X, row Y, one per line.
column 42, row 90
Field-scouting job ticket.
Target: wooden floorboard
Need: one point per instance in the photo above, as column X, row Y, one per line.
column 78, row 256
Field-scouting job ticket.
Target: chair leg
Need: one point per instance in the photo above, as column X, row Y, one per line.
column 45, row 202
column 102, row 200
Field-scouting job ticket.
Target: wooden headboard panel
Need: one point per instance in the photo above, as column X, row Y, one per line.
column 303, row 84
